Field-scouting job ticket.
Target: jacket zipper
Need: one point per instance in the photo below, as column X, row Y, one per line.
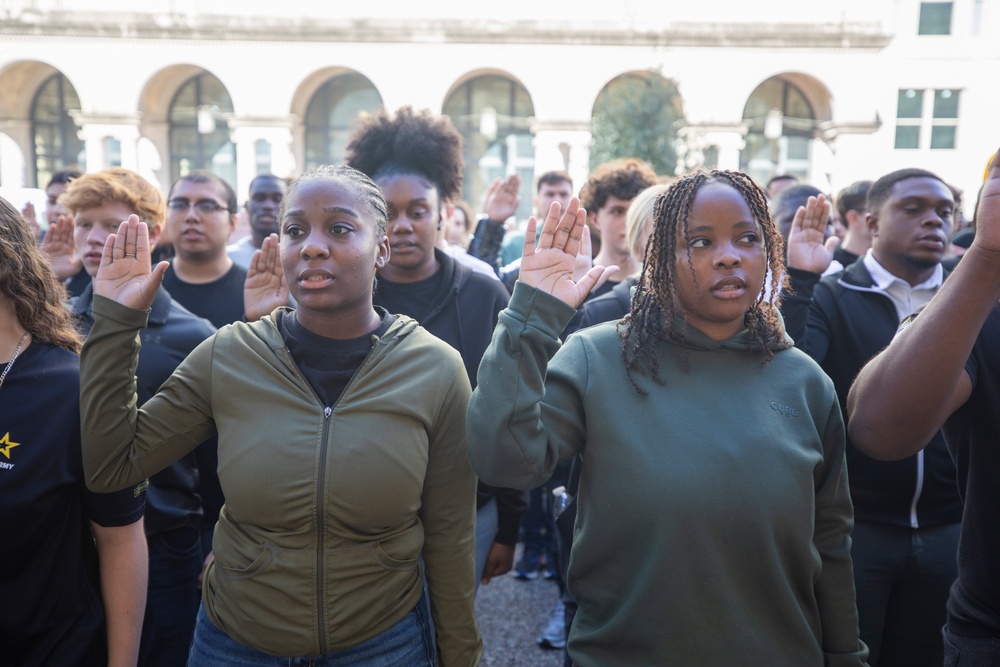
column 321, row 502
column 914, row 523
column 321, row 529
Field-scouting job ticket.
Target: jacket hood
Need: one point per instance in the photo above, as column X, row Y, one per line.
column 693, row 339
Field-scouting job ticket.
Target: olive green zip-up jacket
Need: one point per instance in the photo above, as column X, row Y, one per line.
column 328, row 508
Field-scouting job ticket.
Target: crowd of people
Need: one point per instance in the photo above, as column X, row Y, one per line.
column 736, row 423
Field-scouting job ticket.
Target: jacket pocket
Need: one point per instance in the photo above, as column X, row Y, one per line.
column 390, row 563
column 259, row 564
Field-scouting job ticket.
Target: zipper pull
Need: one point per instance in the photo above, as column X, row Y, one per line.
column 327, row 412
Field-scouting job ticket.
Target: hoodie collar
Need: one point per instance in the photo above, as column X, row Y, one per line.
column 693, row 339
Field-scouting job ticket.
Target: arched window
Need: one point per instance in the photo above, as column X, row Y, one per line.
column 199, row 131
column 637, row 115
column 493, row 114
column 330, row 114
column 782, row 127
column 57, row 145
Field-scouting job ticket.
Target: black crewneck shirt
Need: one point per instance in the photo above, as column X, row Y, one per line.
column 328, row 364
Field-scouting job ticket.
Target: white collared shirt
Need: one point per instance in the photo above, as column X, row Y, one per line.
column 903, row 296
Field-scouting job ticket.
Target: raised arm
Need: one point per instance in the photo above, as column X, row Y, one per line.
column 123, row 444
column 524, row 417
column 906, row 393
column 808, row 256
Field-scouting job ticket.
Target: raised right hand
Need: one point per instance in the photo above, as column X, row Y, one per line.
column 988, row 214
column 60, row 248
column 125, row 274
column 265, row 288
column 502, row 198
column 807, row 250
column 550, row 266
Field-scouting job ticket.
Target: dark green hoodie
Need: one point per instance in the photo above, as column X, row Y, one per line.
column 714, row 516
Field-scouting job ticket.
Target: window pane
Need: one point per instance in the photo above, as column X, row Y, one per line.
column 943, row 136
column 491, row 156
column 935, row 18
column 911, row 103
column 57, row 144
column 332, row 112
column 946, row 104
column 907, row 136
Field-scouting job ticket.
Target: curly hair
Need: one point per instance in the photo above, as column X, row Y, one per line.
column 365, row 187
column 624, row 179
column 116, row 185
column 409, row 142
column 28, row 283
column 651, row 318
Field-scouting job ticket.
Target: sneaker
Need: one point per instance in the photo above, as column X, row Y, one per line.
column 526, row 569
column 554, row 634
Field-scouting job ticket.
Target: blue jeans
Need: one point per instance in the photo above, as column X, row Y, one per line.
column 173, row 597
column 486, row 532
column 960, row 651
column 409, row 643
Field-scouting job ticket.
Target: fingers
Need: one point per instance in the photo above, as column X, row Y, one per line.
column 143, row 252
column 132, row 237
column 594, row 278
column 576, row 232
column 512, row 184
column 529, row 236
column 586, row 244
column 567, row 229
column 546, row 240
column 270, row 251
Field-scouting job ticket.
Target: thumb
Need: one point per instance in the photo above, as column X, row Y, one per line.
column 832, row 243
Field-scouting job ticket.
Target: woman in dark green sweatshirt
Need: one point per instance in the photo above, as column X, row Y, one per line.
column 714, row 517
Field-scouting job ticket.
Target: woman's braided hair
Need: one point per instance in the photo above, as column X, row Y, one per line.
column 651, row 319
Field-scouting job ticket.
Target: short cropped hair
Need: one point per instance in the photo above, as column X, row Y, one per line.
column 882, row 188
column 63, row 177
column 205, row 176
column 120, row 186
column 853, row 198
column 553, row 178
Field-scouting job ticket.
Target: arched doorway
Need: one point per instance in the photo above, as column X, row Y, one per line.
column 56, row 144
column 332, row 110
column 493, row 114
column 781, row 127
column 199, row 129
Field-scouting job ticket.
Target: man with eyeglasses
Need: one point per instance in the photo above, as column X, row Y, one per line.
column 201, row 214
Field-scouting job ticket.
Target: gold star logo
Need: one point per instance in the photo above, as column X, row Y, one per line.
column 5, row 440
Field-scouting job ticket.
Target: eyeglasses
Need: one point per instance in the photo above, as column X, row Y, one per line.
column 203, row 205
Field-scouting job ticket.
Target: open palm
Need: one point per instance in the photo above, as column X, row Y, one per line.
column 808, row 247
column 550, row 263
column 125, row 274
column 265, row 288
